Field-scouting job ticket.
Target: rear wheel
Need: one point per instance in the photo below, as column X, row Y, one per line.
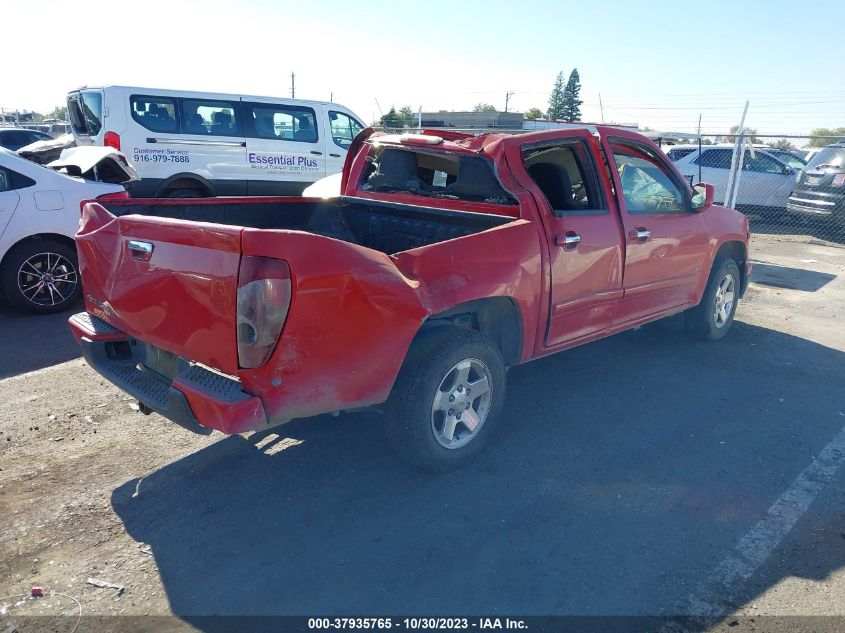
column 447, row 398
column 41, row 276
column 712, row 318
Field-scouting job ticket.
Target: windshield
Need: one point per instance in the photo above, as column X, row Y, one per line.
column 828, row 157
column 85, row 110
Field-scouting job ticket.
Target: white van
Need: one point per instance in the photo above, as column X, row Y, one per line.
column 196, row 144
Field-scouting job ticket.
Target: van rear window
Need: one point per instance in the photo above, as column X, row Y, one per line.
column 85, row 109
column 157, row 114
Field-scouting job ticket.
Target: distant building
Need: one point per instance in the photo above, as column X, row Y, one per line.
column 472, row 120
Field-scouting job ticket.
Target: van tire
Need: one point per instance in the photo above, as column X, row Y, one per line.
column 704, row 321
column 443, row 362
column 35, row 252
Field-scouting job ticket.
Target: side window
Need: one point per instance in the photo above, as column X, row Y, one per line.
column 718, row 158
column 280, row 122
column 344, row 128
column 157, row 114
column 216, row 118
column 10, row 180
column 646, row 186
column 566, row 176
column 5, row 181
column 762, row 163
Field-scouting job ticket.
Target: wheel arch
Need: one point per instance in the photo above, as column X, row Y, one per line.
column 185, row 180
column 499, row 318
column 57, row 237
column 737, row 251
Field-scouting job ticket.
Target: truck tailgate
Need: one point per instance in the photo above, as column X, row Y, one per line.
column 171, row 282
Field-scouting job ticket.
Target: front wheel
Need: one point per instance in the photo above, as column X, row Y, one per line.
column 447, row 398
column 41, row 276
column 712, row 318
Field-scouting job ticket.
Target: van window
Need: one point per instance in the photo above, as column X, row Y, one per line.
column 157, row 114
column 85, row 110
column 344, row 128
column 280, row 122
column 217, row 118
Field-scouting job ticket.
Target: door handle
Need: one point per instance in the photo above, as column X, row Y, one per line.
column 568, row 240
column 316, row 153
column 335, row 155
column 140, row 250
column 639, row 234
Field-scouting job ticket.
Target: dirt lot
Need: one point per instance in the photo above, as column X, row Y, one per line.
column 645, row 474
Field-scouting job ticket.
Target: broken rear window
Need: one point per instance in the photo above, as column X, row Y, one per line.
column 433, row 174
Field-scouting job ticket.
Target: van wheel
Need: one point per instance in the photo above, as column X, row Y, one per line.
column 711, row 319
column 41, row 276
column 447, row 398
column 185, row 193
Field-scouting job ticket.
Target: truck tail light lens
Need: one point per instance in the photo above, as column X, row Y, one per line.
column 838, row 180
column 264, row 293
column 112, row 139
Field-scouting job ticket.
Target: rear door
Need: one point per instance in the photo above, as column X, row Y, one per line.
column 582, row 231
column 665, row 242
column 285, row 146
column 715, row 164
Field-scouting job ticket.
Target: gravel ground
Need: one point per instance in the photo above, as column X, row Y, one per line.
column 625, row 479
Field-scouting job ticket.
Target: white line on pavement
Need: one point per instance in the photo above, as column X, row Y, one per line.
column 713, row 597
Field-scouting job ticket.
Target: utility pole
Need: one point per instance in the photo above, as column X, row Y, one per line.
column 601, row 107
column 508, row 95
column 292, row 86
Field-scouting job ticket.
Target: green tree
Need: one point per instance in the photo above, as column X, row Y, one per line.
column 556, row 99
column 783, row 144
column 817, row 136
column 407, row 116
column 534, row 113
column 391, row 119
column 572, row 97
column 750, row 133
column 484, row 107
column 59, row 112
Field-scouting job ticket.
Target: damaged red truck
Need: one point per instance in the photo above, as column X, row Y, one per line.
column 446, row 259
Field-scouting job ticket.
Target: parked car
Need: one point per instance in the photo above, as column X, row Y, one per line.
column 13, row 138
column 446, row 259
column 766, row 179
column 820, row 190
column 46, row 151
column 192, row 144
column 39, row 214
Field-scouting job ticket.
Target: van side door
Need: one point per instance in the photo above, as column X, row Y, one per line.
column 341, row 127
column 285, row 146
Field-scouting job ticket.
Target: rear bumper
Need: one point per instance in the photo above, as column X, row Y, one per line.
column 190, row 395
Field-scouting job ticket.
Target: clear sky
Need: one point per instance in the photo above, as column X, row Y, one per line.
column 659, row 64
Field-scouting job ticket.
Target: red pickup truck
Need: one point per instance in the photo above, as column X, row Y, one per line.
column 445, row 259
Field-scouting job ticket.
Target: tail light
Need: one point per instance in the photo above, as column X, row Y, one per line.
column 112, row 139
column 117, row 195
column 838, row 180
column 264, row 293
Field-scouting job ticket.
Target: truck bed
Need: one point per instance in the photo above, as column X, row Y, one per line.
column 382, row 226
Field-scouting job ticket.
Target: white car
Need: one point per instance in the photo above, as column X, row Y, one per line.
column 766, row 180
column 39, row 215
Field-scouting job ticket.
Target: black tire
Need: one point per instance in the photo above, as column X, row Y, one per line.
column 23, row 270
column 411, row 423
column 703, row 321
column 185, row 193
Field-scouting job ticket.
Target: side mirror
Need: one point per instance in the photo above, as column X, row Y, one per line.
column 786, row 170
column 702, row 197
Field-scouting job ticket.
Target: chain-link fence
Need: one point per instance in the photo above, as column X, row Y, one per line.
column 786, row 184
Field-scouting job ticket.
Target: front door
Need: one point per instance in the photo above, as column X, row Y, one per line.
column 285, row 148
column 585, row 244
column 665, row 241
